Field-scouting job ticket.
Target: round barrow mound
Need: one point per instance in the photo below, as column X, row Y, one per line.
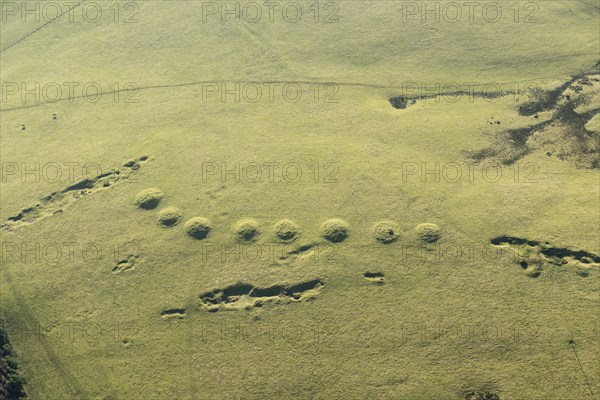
column 286, row 230
column 148, row 198
column 385, row 232
column 246, row 230
column 169, row 216
column 428, row 232
column 198, row 227
column 335, row 230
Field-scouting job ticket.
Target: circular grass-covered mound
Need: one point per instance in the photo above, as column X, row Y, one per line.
column 286, row 230
column 169, row 216
column 335, row 230
column 385, row 232
column 246, row 230
column 428, row 232
column 198, row 227
column 149, row 198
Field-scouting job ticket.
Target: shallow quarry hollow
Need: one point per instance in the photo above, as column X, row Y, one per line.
column 244, row 296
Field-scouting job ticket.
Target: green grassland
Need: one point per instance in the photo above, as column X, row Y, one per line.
column 137, row 330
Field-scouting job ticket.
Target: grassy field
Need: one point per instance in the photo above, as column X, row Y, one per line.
column 102, row 301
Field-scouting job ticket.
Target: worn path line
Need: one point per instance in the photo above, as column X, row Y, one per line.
column 69, row 380
column 41, row 26
column 587, row 382
column 273, row 82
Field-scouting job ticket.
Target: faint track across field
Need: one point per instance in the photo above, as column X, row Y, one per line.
column 271, row 82
column 69, row 380
column 41, row 26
